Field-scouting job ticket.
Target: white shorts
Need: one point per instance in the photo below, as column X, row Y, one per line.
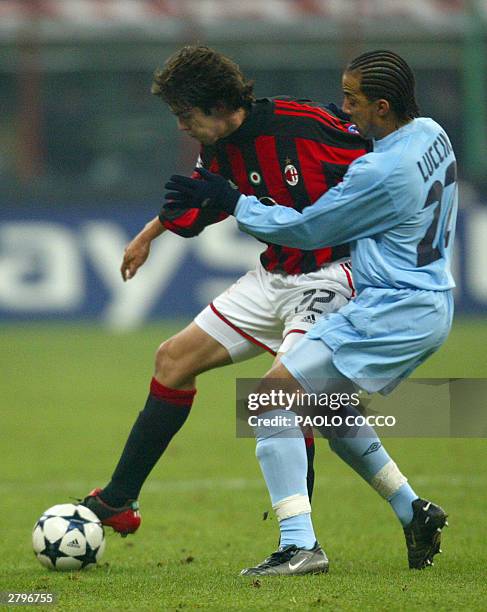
column 264, row 311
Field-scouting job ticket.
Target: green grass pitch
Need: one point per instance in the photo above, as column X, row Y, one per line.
column 70, row 394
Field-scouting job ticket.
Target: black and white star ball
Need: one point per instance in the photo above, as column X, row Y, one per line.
column 68, row 537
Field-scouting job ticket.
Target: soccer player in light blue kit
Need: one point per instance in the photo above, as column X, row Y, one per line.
column 397, row 207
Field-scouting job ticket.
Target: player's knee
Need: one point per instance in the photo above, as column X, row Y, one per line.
column 268, row 447
column 169, row 362
column 264, row 449
column 164, row 358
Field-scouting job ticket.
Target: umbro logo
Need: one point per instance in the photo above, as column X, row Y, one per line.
column 372, row 448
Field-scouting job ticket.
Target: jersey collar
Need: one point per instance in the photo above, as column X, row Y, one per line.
column 390, row 139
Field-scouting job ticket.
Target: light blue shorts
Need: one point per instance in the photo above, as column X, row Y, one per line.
column 376, row 340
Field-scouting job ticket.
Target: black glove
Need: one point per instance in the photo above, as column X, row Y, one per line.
column 212, row 191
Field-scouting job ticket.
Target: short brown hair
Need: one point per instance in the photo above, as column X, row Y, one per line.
column 200, row 76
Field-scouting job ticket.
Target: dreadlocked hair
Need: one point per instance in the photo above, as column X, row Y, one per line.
column 198, row 76
column 384, row 74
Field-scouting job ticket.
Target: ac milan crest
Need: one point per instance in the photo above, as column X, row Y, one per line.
column 291, row 175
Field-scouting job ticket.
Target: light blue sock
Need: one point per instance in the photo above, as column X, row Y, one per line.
column 401, row 502
column 297, row 530
column 281, row 452
column 364, row 455
column 367, row 457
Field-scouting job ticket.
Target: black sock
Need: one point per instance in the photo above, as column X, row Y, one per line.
column 310, row 476
column 164, row 414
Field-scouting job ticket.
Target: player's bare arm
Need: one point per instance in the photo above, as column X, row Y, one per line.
column 138, row 249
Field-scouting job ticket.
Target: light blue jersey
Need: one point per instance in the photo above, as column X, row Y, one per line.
column 397, row 207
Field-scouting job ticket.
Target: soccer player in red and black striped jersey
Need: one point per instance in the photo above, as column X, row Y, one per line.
column 294, row 150
column 281, row 150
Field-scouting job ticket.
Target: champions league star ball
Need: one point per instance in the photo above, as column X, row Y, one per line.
column 68, row 537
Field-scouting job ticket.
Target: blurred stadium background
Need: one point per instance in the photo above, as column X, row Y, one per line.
column 85, row 149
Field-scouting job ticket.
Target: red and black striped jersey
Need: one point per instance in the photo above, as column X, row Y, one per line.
column 286, row 151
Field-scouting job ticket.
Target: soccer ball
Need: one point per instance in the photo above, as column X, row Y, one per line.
column 68, row 537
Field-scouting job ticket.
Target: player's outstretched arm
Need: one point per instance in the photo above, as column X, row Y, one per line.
column 138, row 249
column 361, row 196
